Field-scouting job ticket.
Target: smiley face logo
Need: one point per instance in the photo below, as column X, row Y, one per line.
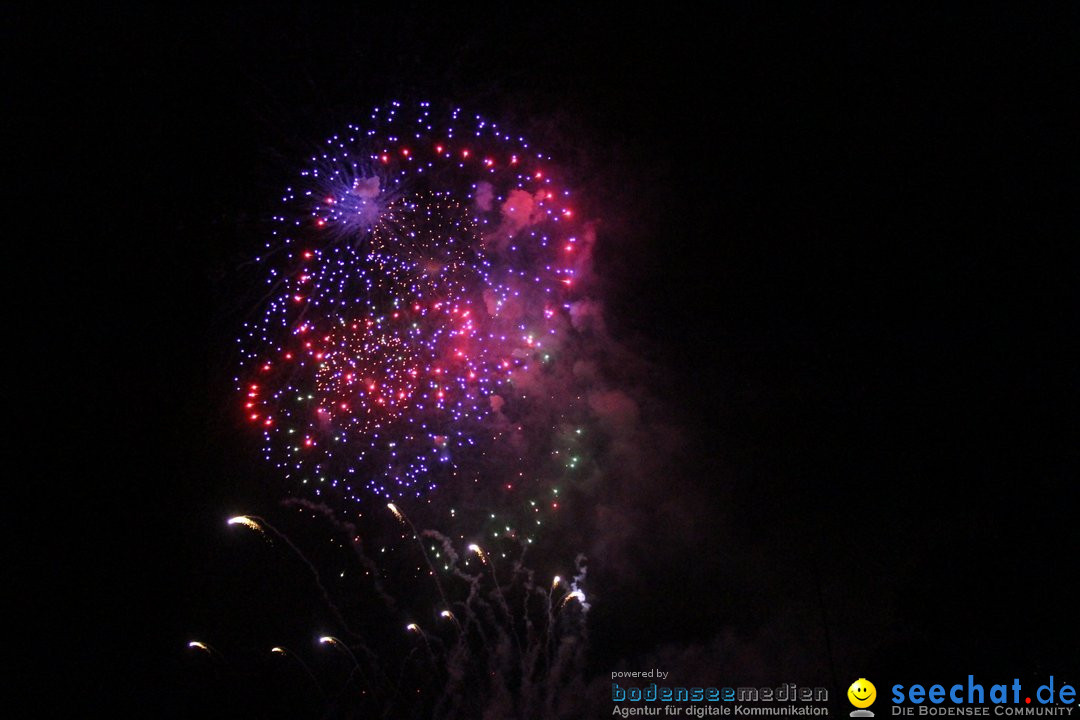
column 862, row 693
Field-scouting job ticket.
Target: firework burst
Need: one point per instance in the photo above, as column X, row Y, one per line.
column 418, row 340
column 423, row 264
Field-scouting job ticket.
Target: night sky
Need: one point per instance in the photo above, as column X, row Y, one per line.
column 839, row 247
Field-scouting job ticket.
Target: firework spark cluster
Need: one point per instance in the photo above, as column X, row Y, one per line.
column 423, row 263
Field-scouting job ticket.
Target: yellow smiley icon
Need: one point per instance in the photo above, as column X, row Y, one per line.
column 862, row 693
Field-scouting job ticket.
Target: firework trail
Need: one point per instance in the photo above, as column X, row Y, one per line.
column 258, row 524
column 350, row 531
column 404, row 520
column 278, row 650
column 251, row 524
column 197, row 645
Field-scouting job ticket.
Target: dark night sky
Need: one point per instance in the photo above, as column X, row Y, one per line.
column 842, row 241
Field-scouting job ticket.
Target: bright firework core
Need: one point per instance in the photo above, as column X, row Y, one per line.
column 422, row 266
